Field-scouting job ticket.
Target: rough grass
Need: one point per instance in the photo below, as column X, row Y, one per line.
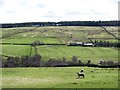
column 81, row 32
column 31, row 40
column 59, row 78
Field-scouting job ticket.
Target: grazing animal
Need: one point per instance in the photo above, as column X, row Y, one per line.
column 80, row 75
column 92, row 71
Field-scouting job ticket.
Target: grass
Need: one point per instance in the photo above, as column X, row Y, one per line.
column 83, row 53
column 15, row 50
column 59, row 77
column 31, row 40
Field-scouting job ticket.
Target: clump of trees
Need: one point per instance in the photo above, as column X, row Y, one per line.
column 106, row 44
column 108, row 63
column 23, row 61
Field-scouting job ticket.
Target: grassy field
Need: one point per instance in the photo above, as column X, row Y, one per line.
column 83, row 53
column 95, row 54
column 15, row 50
column 59, row 77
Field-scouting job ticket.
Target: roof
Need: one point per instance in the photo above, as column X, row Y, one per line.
column 89, row 44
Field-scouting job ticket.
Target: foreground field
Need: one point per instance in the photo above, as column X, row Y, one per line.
column 59, row 77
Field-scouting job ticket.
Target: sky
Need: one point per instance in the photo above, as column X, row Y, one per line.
column 17, row 11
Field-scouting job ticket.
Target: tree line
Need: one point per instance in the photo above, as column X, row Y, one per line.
column 62, row 23
column 36, row 61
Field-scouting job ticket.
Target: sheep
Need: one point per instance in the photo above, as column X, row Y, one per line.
column 80, row 75
column 97, row 70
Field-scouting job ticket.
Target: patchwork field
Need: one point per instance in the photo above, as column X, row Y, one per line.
column 60, row 35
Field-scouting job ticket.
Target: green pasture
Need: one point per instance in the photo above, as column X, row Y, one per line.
column 18, row 50
column 58, row 52
column 84, row 54
column 59, row 77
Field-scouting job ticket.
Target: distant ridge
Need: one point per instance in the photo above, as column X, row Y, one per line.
column 61, row 23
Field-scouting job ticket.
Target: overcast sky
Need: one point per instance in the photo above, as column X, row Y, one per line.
column 14, row 11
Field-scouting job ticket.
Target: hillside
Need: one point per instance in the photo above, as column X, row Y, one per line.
column 60, row 35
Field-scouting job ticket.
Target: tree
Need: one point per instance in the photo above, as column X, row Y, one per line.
column 37, row 60
column 89, row 62
column 75, row 59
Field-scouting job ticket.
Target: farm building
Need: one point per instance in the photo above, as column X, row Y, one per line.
column 75, row 44
column 80, row 44
column 88, row 44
